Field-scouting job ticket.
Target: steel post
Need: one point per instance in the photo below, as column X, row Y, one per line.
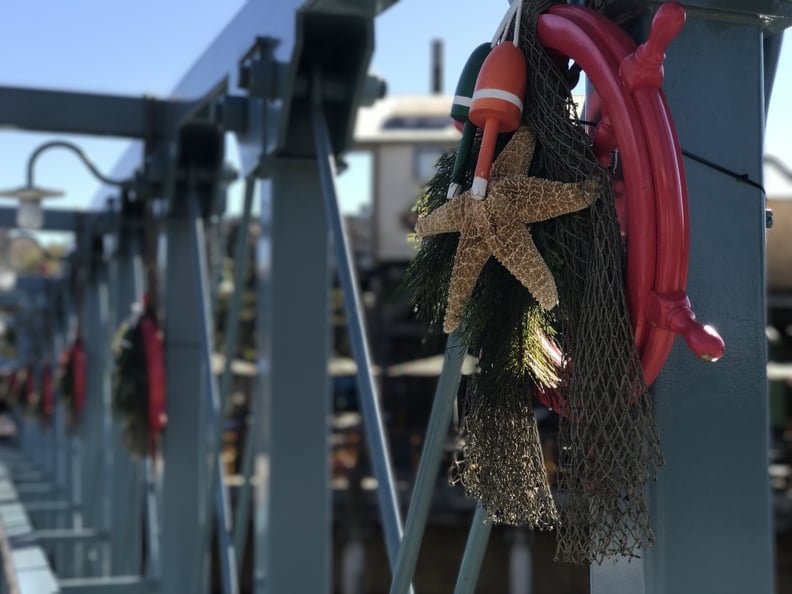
column 475, row 549
column 184, row 492
column 95, row 422
column 126, row 486
column 711, row 503
column 61, row 444
column 293, row 515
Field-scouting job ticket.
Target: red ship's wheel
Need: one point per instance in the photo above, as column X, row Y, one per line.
column 155, row 376
column 633, row 117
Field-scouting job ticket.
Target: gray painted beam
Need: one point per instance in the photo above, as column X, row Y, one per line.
column 61, row 220
column 95, row 423
column 89, row 113
column 45, row 537
column 184, row 489
column 475, row 549
column 109, row 585
column 220, row 62
column 294, row 532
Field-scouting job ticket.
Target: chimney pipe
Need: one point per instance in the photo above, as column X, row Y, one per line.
column 437, row 66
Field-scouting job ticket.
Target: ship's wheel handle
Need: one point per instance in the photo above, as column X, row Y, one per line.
column 673, row 312
column 634, row 117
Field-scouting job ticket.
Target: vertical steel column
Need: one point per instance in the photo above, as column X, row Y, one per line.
column 95, row 424
column 711, row 504
column 184, row 554
column 73, row 454
column 62, row 442
column 126, row 486
column 293, row 512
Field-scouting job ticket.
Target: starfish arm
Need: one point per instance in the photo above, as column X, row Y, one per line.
column 445, row 219
column 471, row 255
column 513, row 246
column 534, row 199
column 516, row 156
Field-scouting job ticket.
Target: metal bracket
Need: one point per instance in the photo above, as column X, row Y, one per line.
column 259, row 73
column 197, row 166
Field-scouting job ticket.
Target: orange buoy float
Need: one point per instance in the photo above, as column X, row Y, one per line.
column 497, row 105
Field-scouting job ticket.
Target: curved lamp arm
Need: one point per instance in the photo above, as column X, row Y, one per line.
column 77, row 151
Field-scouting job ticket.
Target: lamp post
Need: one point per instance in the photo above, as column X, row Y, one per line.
column 30, row 214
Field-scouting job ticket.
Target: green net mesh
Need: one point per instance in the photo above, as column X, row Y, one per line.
column 608, row 443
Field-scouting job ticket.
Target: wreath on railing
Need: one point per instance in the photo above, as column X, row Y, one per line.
column 139, row 381
column 46, row 401
column 72, row 381
column 11, row 387
column 29, row 397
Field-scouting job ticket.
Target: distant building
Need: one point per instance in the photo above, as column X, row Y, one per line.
column 405, row 136
column 779, row 238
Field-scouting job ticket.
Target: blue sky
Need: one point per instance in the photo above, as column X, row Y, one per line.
column 144, row 46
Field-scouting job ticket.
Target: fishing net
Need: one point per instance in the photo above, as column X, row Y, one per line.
column 608, row 442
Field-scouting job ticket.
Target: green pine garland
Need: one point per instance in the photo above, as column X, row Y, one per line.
column 130, row 388
column 502, row 321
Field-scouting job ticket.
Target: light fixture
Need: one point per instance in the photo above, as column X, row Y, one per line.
column 30, row 214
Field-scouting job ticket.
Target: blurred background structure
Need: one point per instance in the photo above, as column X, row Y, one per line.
column 299, row 383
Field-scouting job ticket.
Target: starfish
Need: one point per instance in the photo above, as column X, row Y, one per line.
column 496, row 225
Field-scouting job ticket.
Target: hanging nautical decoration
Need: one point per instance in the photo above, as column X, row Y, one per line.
column 139, row 381
column 527, row 264
column 11, row 387
column 496, row 225
column 73, row 381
